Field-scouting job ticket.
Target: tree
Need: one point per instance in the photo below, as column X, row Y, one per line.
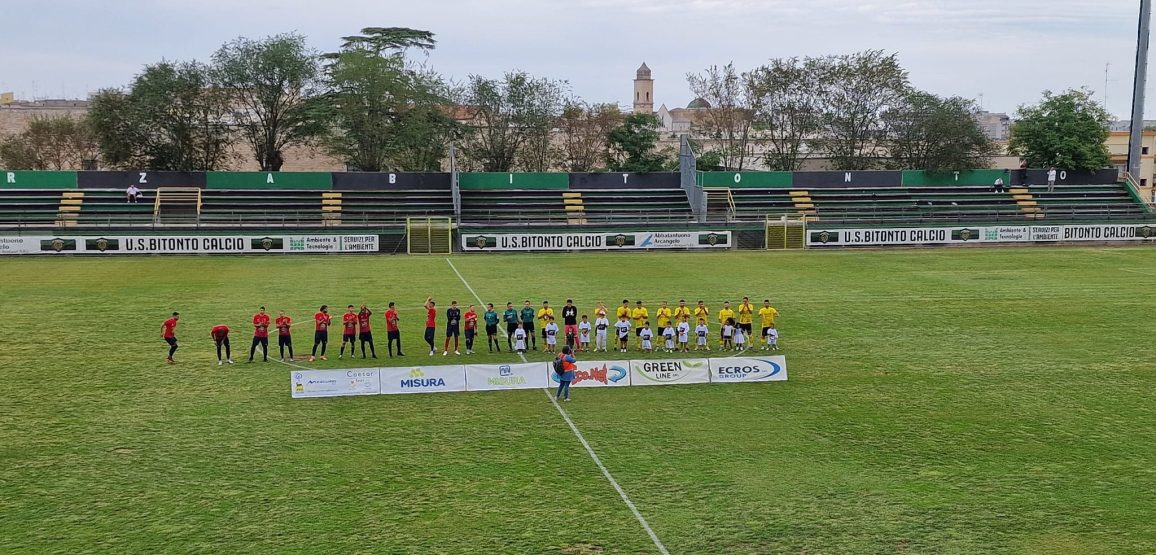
column 1062, row 131
column 633, row 146
column 385, row 111
column 787, row 99
column 512, row 120
column 926, row 132
column 171, row 118
column 860, row 87
column 730, row 116
column 585, row 129
column 273, row 85
column 49, row 143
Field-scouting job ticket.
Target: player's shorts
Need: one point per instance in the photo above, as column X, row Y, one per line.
column 222, row 341
column 764, row 332
column 395, row 334
column 453, row 331
column 284, row 340
column 638, row 332
column 429, row 334
column 491, row 329
column 529, row 327
column 365, row 336
column 571, row 329
column 264, row 340
column 172, row 341
column 471, row 332
column 510, row 328
column 348, row 337
column 321, row 336
column 746, row 328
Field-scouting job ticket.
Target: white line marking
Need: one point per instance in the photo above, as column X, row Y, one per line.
column 582, row 439
column 297, row 365
column 1137, row 272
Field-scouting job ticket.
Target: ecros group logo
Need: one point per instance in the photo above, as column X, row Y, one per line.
column 747, row 369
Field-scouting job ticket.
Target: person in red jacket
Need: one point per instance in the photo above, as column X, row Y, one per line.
column 321, row 332
column 284, row 334
column 220, row 334
column 364, row 333
column 169, row 333
column 260, row 334
column 391, row 321
column 349, row 332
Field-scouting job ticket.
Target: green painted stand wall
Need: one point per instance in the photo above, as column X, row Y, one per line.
column 948, row 179
column 312, row 181
column 747, row 180
column 542, row 181
column 37, row 180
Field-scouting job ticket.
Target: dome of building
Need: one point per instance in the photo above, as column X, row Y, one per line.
column 699, row 102
column 643, row 72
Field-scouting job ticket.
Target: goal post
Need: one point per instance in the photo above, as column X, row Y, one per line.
column 430, row 235
column 783, row 233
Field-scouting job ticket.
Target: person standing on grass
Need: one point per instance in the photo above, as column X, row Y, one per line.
column 668, row 337
column 284, row 337
column 645, row 336
column 391, row 322
column 584, row 334
column 349, row 332
column 740, row 339
column 727, row 334
column 746, row 316
column 220, row 335
column 570, row 323
column 701, row 312
column 701, row 332
column 431, row 324
column 601, row 329
column 623, row 311
column 491, row 319
column 726, row 314
column 640, row 314
column 321, row 322
column 550, row 330
column 681, row 311
column 767, row 315
column 471, row 318
column 169, row 333
column 683, row 335
column 364, row 333
column 453, row 328
column 544, row 314
column 260, row 335
column 565, row 366
column 622, row 328
column 663, row 315
column 527, row 315
column 520, row 339
column 510, row 317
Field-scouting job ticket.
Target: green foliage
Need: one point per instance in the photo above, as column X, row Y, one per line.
column 788, row 109
column 511, row 121
column 385, row 112
column 274, row 86
column 49, row 143
column 1066, row 131
column 858, row 89
column 584, row 130
column 926, row 132
column 634, row 146
column 728, row 123
column 170, row 118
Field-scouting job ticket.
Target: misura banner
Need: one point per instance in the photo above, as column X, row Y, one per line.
column 634, row 240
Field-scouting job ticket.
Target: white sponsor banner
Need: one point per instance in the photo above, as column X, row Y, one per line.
column 748, row 369
column 334, row 383
column 423, row 379
column 599, row 373
column 669, row 372
column 632, row 240
column 188, row 244
column 1010, row 234
column 489, row 377
column 894, row 236
column 1123, row 232
column 21, row 245
column 331, row 243
column 1047, row 232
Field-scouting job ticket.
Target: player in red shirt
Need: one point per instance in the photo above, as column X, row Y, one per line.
column 220, row 335
column 169, row 333
column 349, row 333
column 431, row 323
column 391, row 322
column 364, row 334
column 284, row 339
column 260, row 334
column 471, row 318
column 321, row 332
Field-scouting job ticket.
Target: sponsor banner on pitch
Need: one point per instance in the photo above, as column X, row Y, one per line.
column 599, row 373
column 189, row 244
column 423, row 379
column 334, row 383
column 992, row 234
column 669, row 372
column 748, row 369
column 596, row 241
column 894, row 236
column 489, row 377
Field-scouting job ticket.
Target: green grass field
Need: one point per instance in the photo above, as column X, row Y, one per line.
column 970, row 401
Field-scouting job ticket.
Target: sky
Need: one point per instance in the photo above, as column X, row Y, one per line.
column 1002, row 53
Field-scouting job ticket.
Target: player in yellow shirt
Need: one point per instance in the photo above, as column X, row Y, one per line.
column 640, row 314
column 726, row 313
column 663, row 315
column 701, row 312
column 746, row 316
column 767, row 316
column 624, row 310
column 545, row 314
column 681, row 311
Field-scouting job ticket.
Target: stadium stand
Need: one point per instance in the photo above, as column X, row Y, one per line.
column 518, row 206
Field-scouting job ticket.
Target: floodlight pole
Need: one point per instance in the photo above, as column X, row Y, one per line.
column 1137, row 135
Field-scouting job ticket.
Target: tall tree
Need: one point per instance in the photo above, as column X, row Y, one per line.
column 788, row 109
column 512, row 120
column 49, row 143
column 1062, row 131
column 170, row 118
column 860, row 87
column 585, row 129
column 926, row 132
column 728, row 120
column 385, row 111
column 634, row 146
column 273, row 84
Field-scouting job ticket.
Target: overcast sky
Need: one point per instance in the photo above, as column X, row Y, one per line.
column 1008, row 51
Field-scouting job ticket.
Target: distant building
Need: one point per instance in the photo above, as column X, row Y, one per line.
column 680, row 121
column 643, row 91
column 996, row 126
column 1126, row 125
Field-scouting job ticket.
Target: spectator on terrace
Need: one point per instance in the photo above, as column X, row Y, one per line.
column 1000, row 182
column 1024, row 174
column 1051, row 179
column 132, row 193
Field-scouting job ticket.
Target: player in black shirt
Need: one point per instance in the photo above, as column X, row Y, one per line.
column 570, row 322
column 453, row 327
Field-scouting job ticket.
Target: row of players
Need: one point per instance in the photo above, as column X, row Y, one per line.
column 673, row 322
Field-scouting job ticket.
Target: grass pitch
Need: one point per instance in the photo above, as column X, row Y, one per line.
column 940, row 401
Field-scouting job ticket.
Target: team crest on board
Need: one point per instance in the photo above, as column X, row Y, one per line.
column 480, row 242
column 824, row 236
column 267, row 243
column 964, row 234
column 619, row 240
column 1145, row 232
column 57, row 245
column 712, row 239
column 102, row 245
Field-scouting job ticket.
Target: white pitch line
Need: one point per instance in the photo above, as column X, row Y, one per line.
column 1137, row 272
column 582, row 439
